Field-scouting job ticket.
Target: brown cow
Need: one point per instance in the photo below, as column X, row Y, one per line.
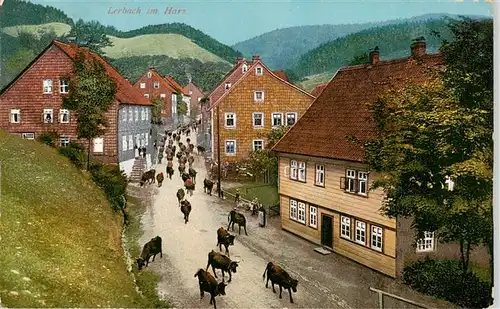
column 150, row 249
column 208, row 284
column 222, row 262
column 186, row 210
column 180, row 195
column 236, row 217
column 224, row 238
column 279, row 276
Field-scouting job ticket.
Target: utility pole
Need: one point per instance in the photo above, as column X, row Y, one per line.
column 218, row 153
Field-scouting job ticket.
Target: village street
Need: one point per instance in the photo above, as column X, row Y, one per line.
column 325, row 281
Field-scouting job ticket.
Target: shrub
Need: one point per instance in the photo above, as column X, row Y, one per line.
column 49, row 138
column 75, row 152
column 113, row 181
column 445, row 279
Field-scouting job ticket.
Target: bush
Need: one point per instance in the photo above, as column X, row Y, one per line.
column 113, row 181
column 49, row 138
column 445, row 279
column 75, row 152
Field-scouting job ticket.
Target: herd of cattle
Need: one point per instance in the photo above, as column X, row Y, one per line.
column 207, row 282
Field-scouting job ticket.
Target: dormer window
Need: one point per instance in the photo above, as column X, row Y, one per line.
column 149, row 74
column 244, row 68
column 227, row 86
column 259, row 71
column 156, row 85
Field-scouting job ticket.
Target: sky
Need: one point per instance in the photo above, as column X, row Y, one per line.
column 232, row 21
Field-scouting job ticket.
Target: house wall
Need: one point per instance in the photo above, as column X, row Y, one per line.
column 278, row 97
column 26, row 94
column 156, row 92
column 196, row 95
column 333, row 201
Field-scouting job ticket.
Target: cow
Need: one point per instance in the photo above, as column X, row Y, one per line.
column 174, row 149
column 186, row 210
column 188, row 140
column 182, row 147
column 150, row 249
column 159, row 179
column 279, row 276
column 200, row 149
column 207, row 186
column 192, row 173
column 148, row 177
column 236, row 217
column 181, row 168
column 189, row 185
column 191, row 148
column 180, row 195
column 208, row 284
column 179, row 155
column 222, row 262
column 174, row 136
column 178, row 138
column 224, row 238
column 170, row 157
column 170, row 169
column 185, row 176
column 188, row 132
column 190, row 160
column 183, row 159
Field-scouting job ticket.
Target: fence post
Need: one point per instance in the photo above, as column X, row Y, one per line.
column 380, row 300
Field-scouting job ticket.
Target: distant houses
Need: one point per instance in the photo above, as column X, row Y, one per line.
column 32, row 105
column 196, row 95
column 249, row 102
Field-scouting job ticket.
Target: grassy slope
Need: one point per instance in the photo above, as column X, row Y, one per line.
column 267, row 194
column 58, row 28
column 60, row 239
column 172, row 45
column 313, row 80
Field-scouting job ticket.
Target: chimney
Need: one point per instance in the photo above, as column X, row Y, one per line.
column 239, row 60
column 152, row 69
column 374, row 56
column 255, row 57
column 418, row 47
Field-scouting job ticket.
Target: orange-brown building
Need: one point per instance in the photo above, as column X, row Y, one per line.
column 250, row 101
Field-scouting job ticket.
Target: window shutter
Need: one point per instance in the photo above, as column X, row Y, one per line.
column 287, row 170
column 343, row 183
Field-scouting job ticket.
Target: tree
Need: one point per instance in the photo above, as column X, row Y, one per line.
column 158, row 104
column 91, row 93
column 91, row 34
column 360, row 59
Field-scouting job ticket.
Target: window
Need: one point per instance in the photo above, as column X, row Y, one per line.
column 258, row 96
column 130, row 142
column 98, row 144
column 63, row 86
column 356, row 182
column 130, row 114
column 146, row 139
column 302, row 171
column 146, row 95
column 124, row 143
column 230, row 147
column 301, row 212
column 258, row 120
column 124, row 114
column 156, row 85
column 376, row 238
column 291, row 118
column 320, row 175
column 64, row 140
column 227, row 86
column 313, row 216
column 427, row 243
column 230, row 120
column 259, row 71
column 174, row 103
column 293, row 210
column 143, row 114
column 149, row 74
column 136, row 114
column 28, row 135
column 64, row 116
column 47, row 86
column 146, row 113
column 294, row 170
column 190, row 92
column 362, row 178
column 244, row 68
column 360, row 232
column 142, row 85
column 258, row 144
column 351, row 179
column 162, row 95
column 345, row 227
column 15, row 115
column 48, row 115
column 277, row 119
column 450, row 184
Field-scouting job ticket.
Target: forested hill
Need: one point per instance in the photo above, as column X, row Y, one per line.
column 16, row 12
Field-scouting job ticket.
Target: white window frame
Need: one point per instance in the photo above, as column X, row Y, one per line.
column 95, row 142
column 227, row 117
column 360, row 232
column 48, row 111
column 293, row 210
column 130, row 114
column 351, row 180
column 255, row 99
column 28, row 135
column 142, row 85
column 136, row 111
column 124, row 143
column 426, row 244
column 63, row 86
column 294, row 118
column 313, row 216
column 319, row 178
column 301, row 212
column 146, row 113
column 257, row 140
column 226, row 142
column 376, row 238
column 130, row 142
column 47, row 86
column 244, row 68
column 63, row 112
column 143, row 114
column 262, row 120
column 280, row 118
column 345, row 227
column 163, row 96
column 15, row 112
column 156, row 85
column 64, row 140
column 190, row 92
column 149, row 74
column 362, row 180
column 259, row 71
column 227, row 86
column 146, row 139
column 302, row 171
column 294, row 170
column 124, row 114
column 146, row 95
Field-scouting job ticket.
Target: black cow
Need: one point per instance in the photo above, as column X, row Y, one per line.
column 170, row 169
column 159, row 179
column 207, row 186
column 208, row 284
column 236, row 217
column 224, row 238
column 201, row 149
column 148, row 177
column 186, row 210
column 180, row 195
column 174, row 136
column 222, row 262
column 190, row 160
column 182, row 168
column 279, row 276
column 151, row 248
column 192, row 173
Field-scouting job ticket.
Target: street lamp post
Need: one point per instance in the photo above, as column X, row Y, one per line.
column 218, row 153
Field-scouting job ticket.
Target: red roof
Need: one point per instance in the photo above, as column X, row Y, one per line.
column 125, row 92
column 341, row 110
column 281, row 74
column 175, row 84
column 231, row 77
column 163, row 81
column 318, row 89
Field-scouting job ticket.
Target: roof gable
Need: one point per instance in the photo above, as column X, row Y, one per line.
column 157, row 75
column 231, row 77
column 169, row 79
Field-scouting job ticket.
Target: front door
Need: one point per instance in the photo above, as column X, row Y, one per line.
column 326, row 231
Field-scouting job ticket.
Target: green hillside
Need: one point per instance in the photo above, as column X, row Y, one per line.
column 61, row 242
column 18, row 12
column 59, row 29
